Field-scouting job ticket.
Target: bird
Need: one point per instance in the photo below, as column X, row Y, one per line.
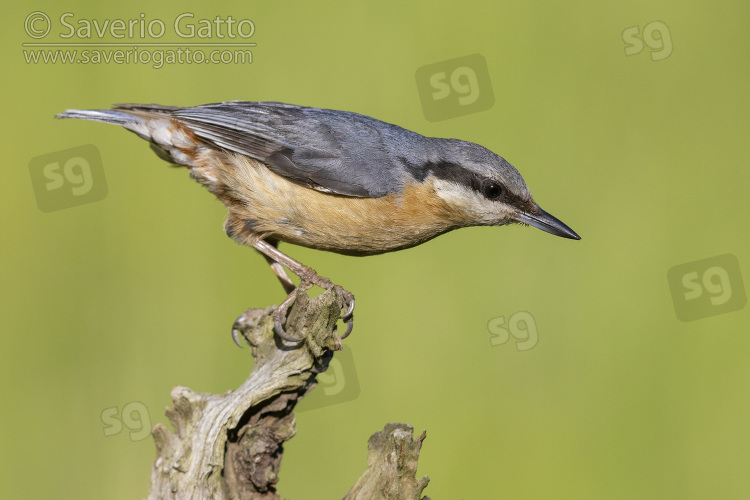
column 330, row 180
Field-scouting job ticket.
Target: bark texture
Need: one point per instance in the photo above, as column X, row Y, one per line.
column 230, row 446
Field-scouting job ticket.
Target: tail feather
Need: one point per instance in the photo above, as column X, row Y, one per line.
column 135, row 122
column 99, row 115
column 168, row 137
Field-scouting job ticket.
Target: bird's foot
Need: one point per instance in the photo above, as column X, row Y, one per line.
column 308, row 278
column 347, row 303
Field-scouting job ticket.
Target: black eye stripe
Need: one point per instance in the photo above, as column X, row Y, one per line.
column 488, row 188
column 476, row 183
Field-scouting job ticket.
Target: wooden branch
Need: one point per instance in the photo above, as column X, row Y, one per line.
column 229, row 446
column 391, row 466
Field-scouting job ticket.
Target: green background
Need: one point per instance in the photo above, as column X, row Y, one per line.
column 122, row 299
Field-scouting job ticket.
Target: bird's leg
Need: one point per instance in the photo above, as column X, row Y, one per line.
column 308, row 278
column 278, row 270
column 289, row 287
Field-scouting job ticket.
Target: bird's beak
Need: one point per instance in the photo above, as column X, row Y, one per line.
column 546, row 222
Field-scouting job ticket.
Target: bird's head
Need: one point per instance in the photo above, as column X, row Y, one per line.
column 487, row 188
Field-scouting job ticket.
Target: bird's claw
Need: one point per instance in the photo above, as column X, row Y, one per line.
column 349, row 327
column 279, row 316
column 281, row 333
column 349, row 310
column 236, row 330
column 236, row 337
column 348, row 316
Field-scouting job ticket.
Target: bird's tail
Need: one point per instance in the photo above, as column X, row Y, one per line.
column 169, row 138
column 98, row 115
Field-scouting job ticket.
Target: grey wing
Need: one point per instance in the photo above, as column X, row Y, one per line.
column 332, row 151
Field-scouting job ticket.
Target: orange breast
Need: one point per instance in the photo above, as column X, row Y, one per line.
column 263, row 204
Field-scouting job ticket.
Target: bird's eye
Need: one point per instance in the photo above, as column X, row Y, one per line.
column 492, row 190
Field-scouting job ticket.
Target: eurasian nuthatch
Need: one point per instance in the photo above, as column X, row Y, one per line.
column 330, row 180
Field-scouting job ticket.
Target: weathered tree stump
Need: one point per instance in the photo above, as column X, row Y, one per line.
column 391, row 466
column 230, row 446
